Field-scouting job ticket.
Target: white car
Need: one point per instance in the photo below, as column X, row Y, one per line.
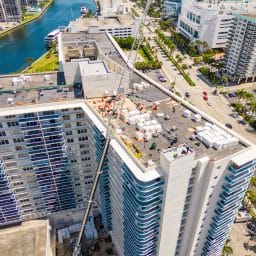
column 209, row 103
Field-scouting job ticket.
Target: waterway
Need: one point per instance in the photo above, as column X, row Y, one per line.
column 28, row 41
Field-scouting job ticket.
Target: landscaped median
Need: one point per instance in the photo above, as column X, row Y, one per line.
column 27, row 19
column 177, row 65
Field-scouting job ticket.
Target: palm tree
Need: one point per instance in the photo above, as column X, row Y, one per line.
column 224, row 80
column 253, row 107
column 227, row 250
column 249, row 97
column 241, row 94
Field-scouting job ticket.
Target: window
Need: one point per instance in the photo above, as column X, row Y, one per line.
column 18, row 148
column 2, row 134
column 11, row 124
column 20, row 189
column 66, row 117
column 79, row 116
column 29, row 115
column 80, row 124
column 86, row 159
column 10, row 116
column 70, row 140
column 67, row 125
column 9, row 157
column 22, row 155
column 18, row 140
column 85, row 152
column 83, row 146
column 4, row 142
column 27, row 168
column 69, row 133
column 83, row 138
column 82, row 131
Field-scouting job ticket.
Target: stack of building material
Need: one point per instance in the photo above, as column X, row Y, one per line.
column 197, row 118
column 213, row 136
column 139, row 136
column 187, row 113
column 140, row 86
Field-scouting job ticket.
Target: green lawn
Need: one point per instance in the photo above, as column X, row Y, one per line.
column 142, row 54
column 48, row 62
column 28, row 17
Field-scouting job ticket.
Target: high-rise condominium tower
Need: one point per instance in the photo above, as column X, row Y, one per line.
column 10, row 10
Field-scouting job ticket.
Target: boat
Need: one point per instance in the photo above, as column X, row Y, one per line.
column 83, row 10
column 51, row 38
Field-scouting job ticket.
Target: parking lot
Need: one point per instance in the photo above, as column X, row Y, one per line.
column 158, row 76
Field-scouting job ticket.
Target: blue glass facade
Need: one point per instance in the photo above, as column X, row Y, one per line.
column 142, row 203
column 141, row 209
column 172, row 7
column 104, row 190
column 233, row 190
column 45, row 143
column 9, row 212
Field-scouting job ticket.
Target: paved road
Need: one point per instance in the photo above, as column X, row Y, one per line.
column 219, row 110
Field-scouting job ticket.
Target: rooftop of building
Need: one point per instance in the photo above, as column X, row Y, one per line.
column 98, row 41
column 30, row 89
column 228, row 7
column 113, row 21
column 30, row 238
column 89, row 68
column 166, row 112
column 249, row 16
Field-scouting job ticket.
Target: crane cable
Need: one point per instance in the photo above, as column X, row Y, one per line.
column 110, row 132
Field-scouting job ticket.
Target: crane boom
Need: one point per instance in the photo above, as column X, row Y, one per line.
column 109, row 136
column 90, row 202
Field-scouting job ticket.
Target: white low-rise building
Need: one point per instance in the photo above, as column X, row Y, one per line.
column 120, row 26
column 83, row 62
column 210, row 22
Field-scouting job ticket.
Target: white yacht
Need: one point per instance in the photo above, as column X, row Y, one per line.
column 51, row 38
column 83, row 10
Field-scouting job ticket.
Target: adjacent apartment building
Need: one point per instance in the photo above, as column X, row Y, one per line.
column 169, row 186
column 172, row 7
column 240, row 62
column 114, row 19
column 10, row 10
column 210, row 21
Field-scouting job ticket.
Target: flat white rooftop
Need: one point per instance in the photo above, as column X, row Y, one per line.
column 93, row 68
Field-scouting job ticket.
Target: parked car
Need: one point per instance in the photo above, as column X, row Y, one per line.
column 235, row 114
column 162, row 80
column 209, row 103
column 228, row 126
column 232, row 94
column 187, row 94
column 242, row 122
